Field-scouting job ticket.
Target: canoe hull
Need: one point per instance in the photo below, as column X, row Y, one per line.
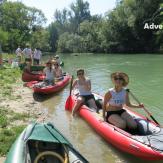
column 27, row 77
column 21, row 150
column 53, row 89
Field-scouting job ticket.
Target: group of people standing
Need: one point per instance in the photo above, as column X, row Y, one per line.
column 114, row 100
column 29, row 55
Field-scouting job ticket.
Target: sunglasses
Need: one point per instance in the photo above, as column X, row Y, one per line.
column 117, row 78
column 80, row 74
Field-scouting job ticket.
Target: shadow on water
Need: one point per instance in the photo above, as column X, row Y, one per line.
column 43, row 97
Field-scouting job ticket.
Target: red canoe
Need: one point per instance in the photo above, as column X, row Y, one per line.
column 27, row 77
column 51, row 88
column 146, row 144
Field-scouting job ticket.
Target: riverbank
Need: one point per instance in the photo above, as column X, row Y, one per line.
column 17, row 108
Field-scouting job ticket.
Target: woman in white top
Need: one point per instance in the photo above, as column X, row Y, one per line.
column 115, row 99
column 49, row 74
column 37, row 56
column 83, row 85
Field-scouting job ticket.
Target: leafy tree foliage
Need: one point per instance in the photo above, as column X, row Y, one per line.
column 121, row 30
column 21, row 22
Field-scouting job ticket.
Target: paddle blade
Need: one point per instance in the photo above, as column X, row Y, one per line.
column 68, row 104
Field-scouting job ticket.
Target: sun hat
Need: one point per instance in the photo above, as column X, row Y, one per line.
column 122, row 75
column 57, row 56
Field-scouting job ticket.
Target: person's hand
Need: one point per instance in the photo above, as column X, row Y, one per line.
column 141, row 105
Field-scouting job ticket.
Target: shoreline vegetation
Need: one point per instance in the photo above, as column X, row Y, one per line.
column 17, row 107
column 76, row 30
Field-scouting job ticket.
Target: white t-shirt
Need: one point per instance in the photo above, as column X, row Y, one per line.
column 49, row 74
column 27, row 52
column 37, row 54
column 18, row 52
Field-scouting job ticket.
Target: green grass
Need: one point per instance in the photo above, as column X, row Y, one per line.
column 8, row 77
column 7, row 138
column 9, row 129
column 8, row 132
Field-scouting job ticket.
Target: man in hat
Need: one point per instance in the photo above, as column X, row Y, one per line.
column 115, row 99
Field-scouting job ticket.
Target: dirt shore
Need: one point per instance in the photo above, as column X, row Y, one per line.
column 24, row 103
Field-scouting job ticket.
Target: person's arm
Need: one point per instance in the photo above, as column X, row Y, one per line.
column 131, row 105
column 107, row 97
column 23, row 52
column 74, row 84
column 60, row 72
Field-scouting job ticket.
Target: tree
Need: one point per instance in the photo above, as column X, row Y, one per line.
column 79, row 12
column 20, row 21
column 53, row 36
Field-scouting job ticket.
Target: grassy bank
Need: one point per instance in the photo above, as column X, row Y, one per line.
column 11, row 123
column 9, row 128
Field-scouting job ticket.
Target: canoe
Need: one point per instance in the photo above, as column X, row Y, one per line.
column 42, row 142
column 147, row 143
column 37, row 67
column 51, row 88
column 27, row 77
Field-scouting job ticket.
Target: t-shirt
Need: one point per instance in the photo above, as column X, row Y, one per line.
column 37, row 54
column 118, row 98
column 27, row 52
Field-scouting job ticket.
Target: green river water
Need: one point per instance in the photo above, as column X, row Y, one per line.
column 146, row 82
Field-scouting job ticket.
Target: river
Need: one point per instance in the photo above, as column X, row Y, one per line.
column 146, row 82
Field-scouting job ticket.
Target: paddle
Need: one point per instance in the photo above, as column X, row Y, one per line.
column 145, row 109
column 69, row 98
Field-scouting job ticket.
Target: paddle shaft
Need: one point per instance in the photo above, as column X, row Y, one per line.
column 143, row 106
column 70, row 91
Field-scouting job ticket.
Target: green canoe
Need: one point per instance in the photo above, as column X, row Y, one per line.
column 40, row 143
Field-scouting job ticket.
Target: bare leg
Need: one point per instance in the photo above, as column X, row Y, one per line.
column 78, row 104
column 131, row 124
column 117, row 121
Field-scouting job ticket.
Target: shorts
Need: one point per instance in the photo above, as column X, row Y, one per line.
column 119, row 112
column 36, row 61
column 28, row 60
column 87, row 97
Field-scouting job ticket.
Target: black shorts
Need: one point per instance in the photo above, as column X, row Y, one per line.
column 87, row 97
column 119, row 112
column 36, row 61
column 28, row 60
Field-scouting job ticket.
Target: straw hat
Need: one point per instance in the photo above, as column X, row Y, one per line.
column 53, row 61
column 122, row 75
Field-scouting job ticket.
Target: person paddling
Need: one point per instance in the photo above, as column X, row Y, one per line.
column 83, row 85
column 115, row 99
